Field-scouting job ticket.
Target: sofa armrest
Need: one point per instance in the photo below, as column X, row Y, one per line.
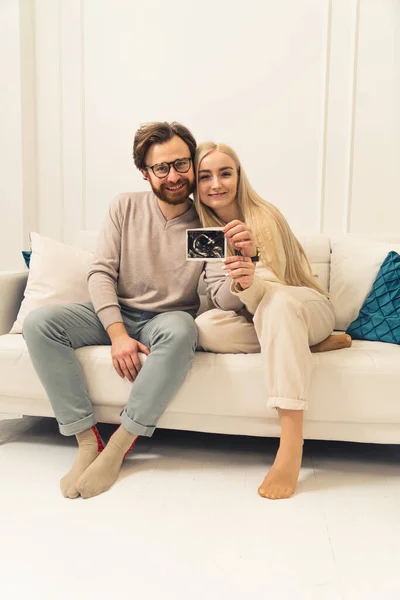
column 12, row 287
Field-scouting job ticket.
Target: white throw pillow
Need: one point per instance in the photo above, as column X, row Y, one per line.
column 57, row 274
column 355, row 263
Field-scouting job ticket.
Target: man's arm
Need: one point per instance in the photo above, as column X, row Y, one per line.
column 102, row 281
column 219, row 287
column 103, row 274
column 125, row 352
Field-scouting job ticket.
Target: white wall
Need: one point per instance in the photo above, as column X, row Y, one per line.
column 307, row 91
column 17, row 131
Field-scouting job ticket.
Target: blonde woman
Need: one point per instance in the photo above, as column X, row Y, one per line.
column 287, row 311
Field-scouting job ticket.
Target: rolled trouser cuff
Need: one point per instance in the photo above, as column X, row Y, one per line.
column 78, row 426
column 134, row 427
column 287, row 403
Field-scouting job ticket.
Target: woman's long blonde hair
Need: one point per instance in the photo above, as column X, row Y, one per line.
column 269, row 226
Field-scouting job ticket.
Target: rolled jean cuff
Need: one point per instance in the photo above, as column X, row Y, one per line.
column 78, row 426
column 287, row 403
column 134, row 427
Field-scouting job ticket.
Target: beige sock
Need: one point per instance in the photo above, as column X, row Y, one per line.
column 103, row 472
column 90, row 445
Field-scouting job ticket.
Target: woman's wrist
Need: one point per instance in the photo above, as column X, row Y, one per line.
column 249, row 252
column 241, row 288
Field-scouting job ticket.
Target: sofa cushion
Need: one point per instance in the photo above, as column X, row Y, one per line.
column 57, row 274
column 27, row 257
column 353, row 385
column 355, row 263
column 379, row 317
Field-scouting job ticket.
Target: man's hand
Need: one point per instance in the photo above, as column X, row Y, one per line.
column 241, row 269
column 124, row 352
column 240, row 236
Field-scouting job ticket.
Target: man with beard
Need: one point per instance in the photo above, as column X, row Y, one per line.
column 144, row 297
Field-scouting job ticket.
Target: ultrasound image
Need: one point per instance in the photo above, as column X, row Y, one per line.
column 205, row 244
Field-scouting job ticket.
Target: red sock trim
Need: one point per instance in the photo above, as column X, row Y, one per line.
column 100, row 445
column 130, row 448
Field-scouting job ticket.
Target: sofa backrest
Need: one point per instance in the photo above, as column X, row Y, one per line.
column 316, row 247
column 318, row 252
column 337, row 262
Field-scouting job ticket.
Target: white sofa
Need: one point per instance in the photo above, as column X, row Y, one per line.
column 354, row 395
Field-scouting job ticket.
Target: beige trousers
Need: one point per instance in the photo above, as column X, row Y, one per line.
column 287, row 322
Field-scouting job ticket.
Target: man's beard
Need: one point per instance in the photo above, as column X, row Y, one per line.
column 174, row 198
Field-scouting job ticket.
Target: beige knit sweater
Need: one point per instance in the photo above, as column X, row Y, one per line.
column 140, row 262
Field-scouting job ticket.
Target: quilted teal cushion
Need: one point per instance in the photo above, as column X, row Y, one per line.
column 379, row 317
column 27, row 257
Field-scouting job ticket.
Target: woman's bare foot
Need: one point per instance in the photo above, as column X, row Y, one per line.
column 336, row 341
column 281, row 480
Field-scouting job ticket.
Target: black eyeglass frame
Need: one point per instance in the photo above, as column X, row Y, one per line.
column 188, row 158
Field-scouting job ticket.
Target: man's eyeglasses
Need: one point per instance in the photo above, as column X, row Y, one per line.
column 181, row 165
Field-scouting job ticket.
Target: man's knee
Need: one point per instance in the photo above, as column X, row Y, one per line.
column 38, row 318
column 180, row 332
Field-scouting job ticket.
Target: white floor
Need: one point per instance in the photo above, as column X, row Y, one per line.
column 184, row 521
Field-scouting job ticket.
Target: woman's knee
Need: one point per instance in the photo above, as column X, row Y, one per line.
column 293, row 305
column 307, row 304
column 209, row 328
column 280, row 308
column 226, row 332
column 278, row 303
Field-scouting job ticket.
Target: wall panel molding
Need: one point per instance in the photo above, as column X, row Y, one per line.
column 349, row 179
column 72, row 118
column 341, row 69
column 49, row 117
column 78, row 42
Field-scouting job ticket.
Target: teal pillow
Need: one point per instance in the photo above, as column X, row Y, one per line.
column 379, row 317
column 27, row 257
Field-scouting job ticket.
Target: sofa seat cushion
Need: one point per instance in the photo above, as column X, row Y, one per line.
column 352, row 385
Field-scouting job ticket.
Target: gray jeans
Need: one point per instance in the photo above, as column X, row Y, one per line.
column 52, row 333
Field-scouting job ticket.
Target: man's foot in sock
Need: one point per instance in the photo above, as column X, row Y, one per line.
column 280, row 481
column 90, row 445
column 103, row 472
column 336, row 341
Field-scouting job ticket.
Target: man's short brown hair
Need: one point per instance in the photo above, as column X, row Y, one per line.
column 158, row 133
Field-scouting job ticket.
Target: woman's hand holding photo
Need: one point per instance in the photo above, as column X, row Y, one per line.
column 240, row 236
column 241, row 269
